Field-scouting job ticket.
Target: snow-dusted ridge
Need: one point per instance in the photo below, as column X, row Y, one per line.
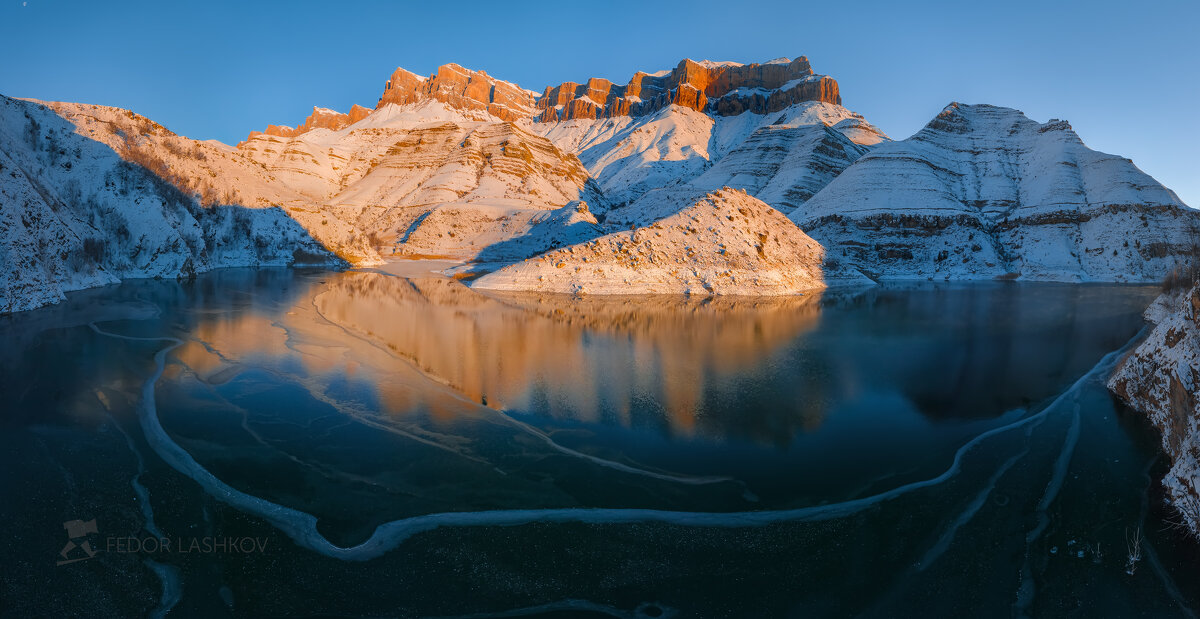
column 74, row 213
column 983, row 192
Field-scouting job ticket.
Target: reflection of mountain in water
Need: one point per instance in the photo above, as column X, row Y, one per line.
column 586, row 359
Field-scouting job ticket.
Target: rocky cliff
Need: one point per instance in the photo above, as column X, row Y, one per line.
column 983, row 192
column 1161, row 378
column 461, row 89
column 723, row 88
column 321, row 118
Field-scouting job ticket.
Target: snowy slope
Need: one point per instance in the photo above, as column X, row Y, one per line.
column 212, row 172
column 1162, row 379
column 404, row 171
column 629, row 156
column 727, row 243
column 74, row 214
column 494, row 233
column 983, row 191
column 781, row 164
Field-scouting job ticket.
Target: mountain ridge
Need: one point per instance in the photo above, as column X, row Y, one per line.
column 463, row 165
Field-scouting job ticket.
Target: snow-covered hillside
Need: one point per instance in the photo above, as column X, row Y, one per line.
column 212, row 172
column 727, row 243
column 408, row 166
column 1162, row 379
column 75, row 214
column 629, row 156
column 783, row 162
column 983, row 191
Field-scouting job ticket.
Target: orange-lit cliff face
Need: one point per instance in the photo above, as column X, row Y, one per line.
column 725, row 89
column 460, row 88
column 321, row 118
column 722, row 88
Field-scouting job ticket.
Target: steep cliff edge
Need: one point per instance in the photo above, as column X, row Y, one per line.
column 1161, row 378
column 460, row 88
column 722, row 88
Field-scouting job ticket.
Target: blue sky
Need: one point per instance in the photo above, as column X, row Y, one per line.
column 1127, row 75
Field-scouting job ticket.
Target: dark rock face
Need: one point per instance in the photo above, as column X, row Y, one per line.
column 724, row 89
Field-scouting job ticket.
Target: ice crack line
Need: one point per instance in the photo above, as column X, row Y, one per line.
column 301, row 527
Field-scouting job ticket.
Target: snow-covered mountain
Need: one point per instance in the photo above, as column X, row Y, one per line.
column 388, row 172
column 75, row 213
column 984, row 192
column 461, row 149
column 785, row 159
column 464, row 165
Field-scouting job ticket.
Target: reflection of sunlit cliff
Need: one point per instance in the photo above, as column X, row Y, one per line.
column 576, row 357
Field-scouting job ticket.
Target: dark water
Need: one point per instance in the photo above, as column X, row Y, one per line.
column 400, row 446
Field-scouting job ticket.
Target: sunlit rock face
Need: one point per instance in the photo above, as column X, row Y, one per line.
column 983, row 191
column 1162, row 379
column 723, row 88
column 726, row 243
column 460, row 88
column 321, row 118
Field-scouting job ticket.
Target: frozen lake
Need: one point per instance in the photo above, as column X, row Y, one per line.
column 399, row 445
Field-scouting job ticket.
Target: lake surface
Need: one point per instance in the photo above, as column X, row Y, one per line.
column 395, row 444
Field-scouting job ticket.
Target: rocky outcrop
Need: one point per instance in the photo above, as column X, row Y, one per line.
column 1161, row 378
column 722, row 88
column 460, row 88
column 321, row 118
column 728, row 243
column 983, row 192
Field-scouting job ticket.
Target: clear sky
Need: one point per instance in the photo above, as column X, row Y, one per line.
column 1126, row 74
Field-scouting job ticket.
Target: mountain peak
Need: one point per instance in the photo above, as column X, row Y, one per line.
column 962, row 118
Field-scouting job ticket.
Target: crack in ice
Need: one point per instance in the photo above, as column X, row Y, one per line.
column 301, row 527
